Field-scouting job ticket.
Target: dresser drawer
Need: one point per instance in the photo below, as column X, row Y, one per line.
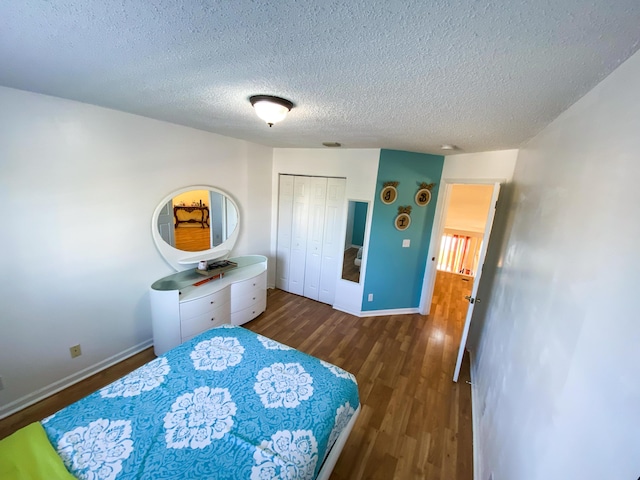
column 246, row 293
column 246, row 314
column 198, row 324
column 196, row 307
column 242, row 302
column 246, row 286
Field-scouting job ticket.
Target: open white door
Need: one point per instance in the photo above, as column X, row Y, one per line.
column 472, row 298
column 165, row 224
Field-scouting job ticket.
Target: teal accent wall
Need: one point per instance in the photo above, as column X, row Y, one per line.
column 394, row 274
column 359, row 223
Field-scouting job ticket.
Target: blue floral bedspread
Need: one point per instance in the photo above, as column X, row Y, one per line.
column 228, row 404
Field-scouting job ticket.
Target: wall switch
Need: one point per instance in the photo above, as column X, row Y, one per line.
column 1, row 384
column 371, row 297
column 406, row 243
column 75, row 351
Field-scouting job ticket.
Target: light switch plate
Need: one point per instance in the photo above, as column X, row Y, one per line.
column 406, row 243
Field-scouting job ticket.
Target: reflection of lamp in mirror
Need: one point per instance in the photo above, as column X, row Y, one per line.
column 354, row 240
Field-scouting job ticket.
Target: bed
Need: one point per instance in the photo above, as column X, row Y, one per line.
column 228, row 404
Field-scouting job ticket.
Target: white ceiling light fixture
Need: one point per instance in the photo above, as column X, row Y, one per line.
column 271, row 109
column 448, row 146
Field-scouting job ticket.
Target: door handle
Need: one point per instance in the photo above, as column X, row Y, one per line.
column 470, row 298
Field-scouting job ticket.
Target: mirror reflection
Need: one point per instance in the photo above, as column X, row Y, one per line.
column 197, row 220
column 354, row 240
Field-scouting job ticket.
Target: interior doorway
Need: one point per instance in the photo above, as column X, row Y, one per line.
column 462, row 238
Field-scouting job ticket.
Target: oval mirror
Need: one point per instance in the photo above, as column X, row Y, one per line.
column 195, row 223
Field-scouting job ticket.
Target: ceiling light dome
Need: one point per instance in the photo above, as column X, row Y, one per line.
column 271, row 109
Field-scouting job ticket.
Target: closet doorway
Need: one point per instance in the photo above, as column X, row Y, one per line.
column 309, row 242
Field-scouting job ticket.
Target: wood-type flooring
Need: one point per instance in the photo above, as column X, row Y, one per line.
column 192, row 238
column 415, row 422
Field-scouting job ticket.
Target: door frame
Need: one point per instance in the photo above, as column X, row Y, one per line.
column 428, row 283
column 442, row 206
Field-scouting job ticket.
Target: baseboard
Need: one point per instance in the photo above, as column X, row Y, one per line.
column 377, row 313
column 355, row 313
column 475, row 428
column 55, row 387
column 393, row 311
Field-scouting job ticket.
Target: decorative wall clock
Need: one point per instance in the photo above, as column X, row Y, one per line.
column 389, row 194
column 403, row 220
column 423, row 196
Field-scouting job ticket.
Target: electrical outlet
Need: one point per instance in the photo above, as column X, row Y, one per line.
column 75, row 351
column 1, row 384
column 371, row 297
column 406, row 243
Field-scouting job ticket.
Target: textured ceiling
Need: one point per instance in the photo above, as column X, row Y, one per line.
column 409, row 75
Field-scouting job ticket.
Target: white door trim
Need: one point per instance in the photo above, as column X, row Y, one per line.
column 476, row 280
column 430, row 270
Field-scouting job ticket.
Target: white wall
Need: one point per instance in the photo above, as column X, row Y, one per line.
column 360, row 168
column 78, row 186
column 494, row 165
column 556, row 372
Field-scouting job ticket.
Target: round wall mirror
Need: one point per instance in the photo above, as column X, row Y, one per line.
column 193, row 224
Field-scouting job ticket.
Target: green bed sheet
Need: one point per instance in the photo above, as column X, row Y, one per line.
column 28, row 455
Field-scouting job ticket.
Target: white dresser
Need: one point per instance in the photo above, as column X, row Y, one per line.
column 181, row 310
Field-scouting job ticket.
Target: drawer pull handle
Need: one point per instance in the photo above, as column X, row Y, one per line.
column 254, row 284
column 254, row 298
column 213, row 319
column 212, row 302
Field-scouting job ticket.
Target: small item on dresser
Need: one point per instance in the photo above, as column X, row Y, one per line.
column 202, row 265
column 216, row 269
column 215, row 277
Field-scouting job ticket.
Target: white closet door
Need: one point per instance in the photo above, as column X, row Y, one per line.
column 299, row 234
column 315, row 232
column 333, row 243
column 285, row 216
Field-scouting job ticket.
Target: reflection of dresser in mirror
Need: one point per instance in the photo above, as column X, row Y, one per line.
column 181, row 310
column 182, row 214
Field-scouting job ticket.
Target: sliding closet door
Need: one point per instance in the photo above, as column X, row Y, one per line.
column 299, row 234
column 309, row 244
column 283, row 248
column 332, row 243
column 315, row 234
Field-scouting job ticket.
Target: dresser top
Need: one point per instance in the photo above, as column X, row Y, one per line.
column 248, row 266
